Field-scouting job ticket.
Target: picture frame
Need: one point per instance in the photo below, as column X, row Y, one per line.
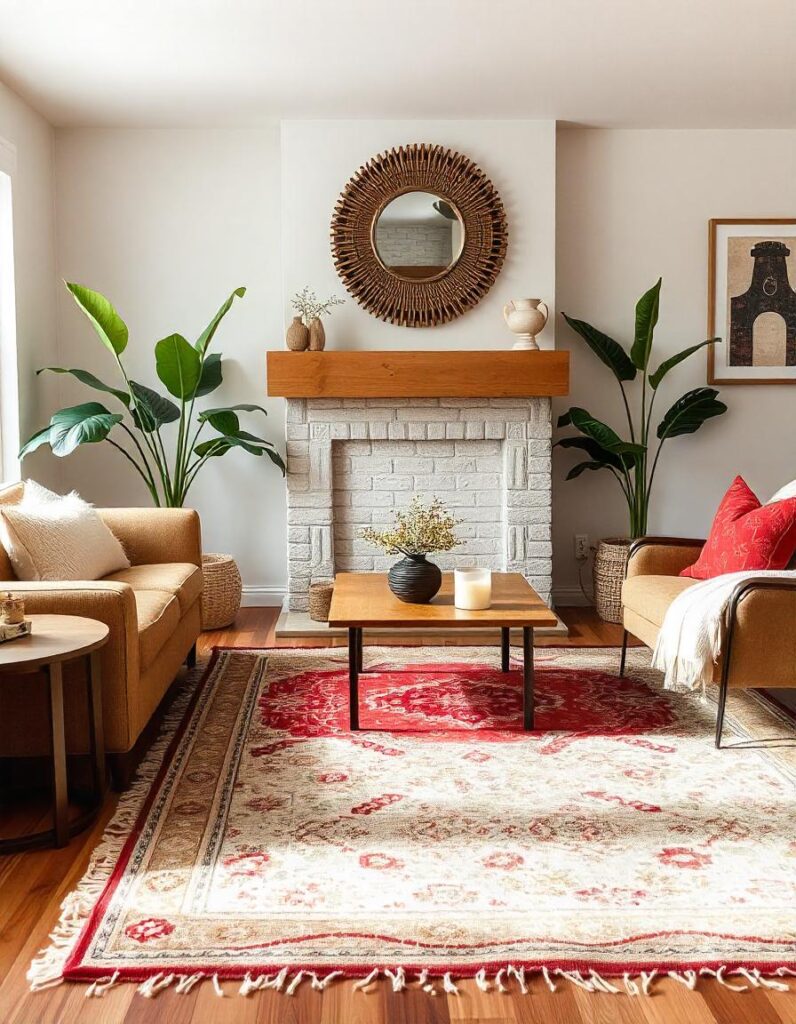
column 752, row 300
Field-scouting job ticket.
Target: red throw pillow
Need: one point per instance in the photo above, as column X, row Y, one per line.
column 747, row 535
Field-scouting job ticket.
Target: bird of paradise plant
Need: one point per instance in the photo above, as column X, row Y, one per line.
column 168, row 466
column 631, row 460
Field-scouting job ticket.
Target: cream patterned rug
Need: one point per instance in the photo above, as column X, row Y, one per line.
column 264, row 839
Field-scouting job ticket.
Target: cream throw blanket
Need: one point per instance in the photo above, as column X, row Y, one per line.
column 690, row 639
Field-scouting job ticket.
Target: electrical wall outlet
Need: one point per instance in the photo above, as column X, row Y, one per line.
column 581, row 547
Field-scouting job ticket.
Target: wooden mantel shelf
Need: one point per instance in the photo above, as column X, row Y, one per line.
column 418, row 374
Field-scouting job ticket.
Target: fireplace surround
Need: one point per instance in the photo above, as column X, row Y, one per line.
column 353, row 460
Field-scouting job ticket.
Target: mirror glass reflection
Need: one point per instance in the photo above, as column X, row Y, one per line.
column 418, row 236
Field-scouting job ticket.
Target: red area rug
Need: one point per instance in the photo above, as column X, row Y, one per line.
column 442, row 837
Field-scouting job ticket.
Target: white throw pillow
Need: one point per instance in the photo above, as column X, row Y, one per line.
column 54, row 537
column 788, row 491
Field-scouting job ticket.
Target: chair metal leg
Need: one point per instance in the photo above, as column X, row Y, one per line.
column 505, row 648
column 623, row 655
column 723, row 687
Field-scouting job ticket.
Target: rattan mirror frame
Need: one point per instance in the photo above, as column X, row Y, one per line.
column 457, row 180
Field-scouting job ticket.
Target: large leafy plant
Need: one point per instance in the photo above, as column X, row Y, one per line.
column 633, row 460
column 167, row 464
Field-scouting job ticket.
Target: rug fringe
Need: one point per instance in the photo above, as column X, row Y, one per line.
column 641, row 984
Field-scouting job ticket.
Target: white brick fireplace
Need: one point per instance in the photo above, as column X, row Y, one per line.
column 351, row 462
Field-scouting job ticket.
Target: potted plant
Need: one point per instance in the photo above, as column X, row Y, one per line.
column 632, row 460
column 168, row 465
column 419, row 530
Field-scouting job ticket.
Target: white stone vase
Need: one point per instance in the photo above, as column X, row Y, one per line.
column 525, row 318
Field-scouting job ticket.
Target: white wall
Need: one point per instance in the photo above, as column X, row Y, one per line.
column 26, row 140
column 633, row 205
column 166, row 224
column 318, row 158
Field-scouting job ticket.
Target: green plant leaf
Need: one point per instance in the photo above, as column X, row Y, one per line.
column 565, row 419
column 689, row 413
column 581, row 467
column 206, row 336
column 646, row 318
column 241, row 407
column 593, row 448
column 80, row 424
column 603, row 434
column 225, row 421
column 276, row 458
column 669, row 364
column 110, row 328
column 36, row 441
column 226, row 441
column 211, row 374
column 178, row 365
column 606, row 349
column 90, row 380
column 153, row 410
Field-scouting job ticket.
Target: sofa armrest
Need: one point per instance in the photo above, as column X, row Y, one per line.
column 111, row 603
column 662, row 556
column 154, row 535
column 761, row 632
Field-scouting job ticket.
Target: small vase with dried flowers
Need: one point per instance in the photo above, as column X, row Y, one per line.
column 310, row 310
column 419, row 530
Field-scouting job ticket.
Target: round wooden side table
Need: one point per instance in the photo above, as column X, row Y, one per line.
column 55, row 639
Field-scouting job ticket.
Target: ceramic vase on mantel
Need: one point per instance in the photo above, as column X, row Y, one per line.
column 525, row 318
column 317, row 335
column 297, row 337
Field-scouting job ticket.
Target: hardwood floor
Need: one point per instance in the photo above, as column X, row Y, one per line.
column 32, row 886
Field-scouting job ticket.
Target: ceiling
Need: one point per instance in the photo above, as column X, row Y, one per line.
column 634, row 63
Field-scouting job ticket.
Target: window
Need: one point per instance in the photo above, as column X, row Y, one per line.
column 9, row 396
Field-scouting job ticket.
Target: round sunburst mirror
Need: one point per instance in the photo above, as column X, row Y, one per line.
column 419, row 235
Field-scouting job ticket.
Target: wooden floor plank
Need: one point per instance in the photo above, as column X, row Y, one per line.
column 33, row 885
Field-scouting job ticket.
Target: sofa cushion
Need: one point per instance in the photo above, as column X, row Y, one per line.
column 650, row 596
column 183, row 579
column 158, row 617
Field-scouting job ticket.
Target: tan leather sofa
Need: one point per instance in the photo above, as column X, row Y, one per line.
column 760, row 642
column 152, row 611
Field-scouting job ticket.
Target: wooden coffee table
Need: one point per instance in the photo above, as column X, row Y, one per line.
column 362, row 600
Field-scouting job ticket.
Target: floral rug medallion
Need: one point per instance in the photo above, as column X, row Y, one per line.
column 441, row 836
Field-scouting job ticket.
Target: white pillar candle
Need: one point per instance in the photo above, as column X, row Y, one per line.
column 472, row 589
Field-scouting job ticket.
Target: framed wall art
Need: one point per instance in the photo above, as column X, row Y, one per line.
column 752, row 301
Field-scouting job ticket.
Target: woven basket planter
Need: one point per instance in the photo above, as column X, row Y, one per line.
column 321, row 600
column 610, row 564
column 221, row 591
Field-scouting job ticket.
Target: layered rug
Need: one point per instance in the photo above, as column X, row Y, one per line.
column 266, row 842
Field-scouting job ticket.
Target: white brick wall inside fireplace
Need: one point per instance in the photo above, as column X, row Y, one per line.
column 352, row 462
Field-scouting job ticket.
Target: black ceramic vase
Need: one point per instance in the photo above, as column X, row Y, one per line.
column 414, row 580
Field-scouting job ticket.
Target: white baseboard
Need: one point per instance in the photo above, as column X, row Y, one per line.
column 564, row 596
column 263, row 597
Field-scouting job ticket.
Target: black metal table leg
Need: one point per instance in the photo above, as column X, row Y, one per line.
column 505, row 648
column 353, row 677
column 359, row 649
column 527, row 660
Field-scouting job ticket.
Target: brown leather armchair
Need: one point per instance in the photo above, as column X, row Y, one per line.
column 760, row 643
